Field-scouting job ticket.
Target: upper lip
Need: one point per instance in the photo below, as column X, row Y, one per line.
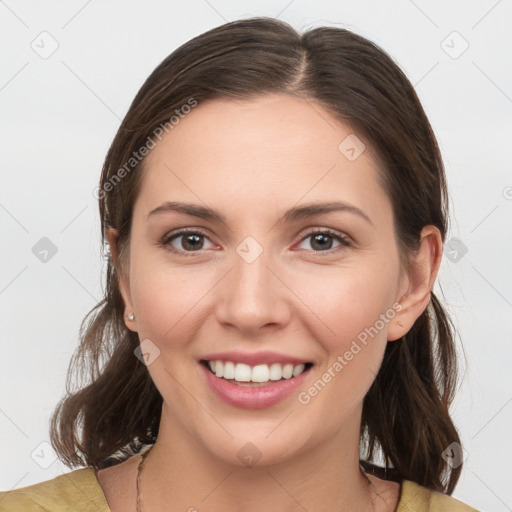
column 255, row 358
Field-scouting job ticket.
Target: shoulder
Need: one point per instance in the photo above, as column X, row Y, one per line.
column 77, row 490
column 416, row 498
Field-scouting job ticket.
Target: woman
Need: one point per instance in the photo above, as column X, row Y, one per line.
column 275, row 208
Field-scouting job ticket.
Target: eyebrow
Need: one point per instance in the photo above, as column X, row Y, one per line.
column 293, row 214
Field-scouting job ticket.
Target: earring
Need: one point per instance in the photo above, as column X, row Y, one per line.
column 130, row 317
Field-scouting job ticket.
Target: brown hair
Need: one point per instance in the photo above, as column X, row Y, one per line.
column 405, row 412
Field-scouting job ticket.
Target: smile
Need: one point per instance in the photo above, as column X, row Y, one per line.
column 261, row 373
column 253, row 387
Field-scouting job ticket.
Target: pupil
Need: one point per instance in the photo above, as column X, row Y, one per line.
column 319, row 237
column 196, row 239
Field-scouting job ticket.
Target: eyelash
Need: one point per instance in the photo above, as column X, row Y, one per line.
column 167, row 239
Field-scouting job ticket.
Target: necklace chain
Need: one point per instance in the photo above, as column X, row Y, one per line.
column 143, row 459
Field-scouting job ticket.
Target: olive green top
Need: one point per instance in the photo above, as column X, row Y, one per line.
column 79, row 491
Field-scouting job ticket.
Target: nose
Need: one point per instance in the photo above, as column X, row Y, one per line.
column 252, row 296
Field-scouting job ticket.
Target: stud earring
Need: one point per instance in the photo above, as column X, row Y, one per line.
column 130, row 317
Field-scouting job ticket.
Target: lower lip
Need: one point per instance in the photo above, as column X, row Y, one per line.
column 258, row 397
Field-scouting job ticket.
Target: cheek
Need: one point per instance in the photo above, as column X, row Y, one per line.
column 349, row 303
column 355, row 309
column 167, row 299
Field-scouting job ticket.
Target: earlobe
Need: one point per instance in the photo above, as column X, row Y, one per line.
column 423, row 270
column 122, row 278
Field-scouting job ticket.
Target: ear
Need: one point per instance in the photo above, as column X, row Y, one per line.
column 422, row 273
column 122, row 277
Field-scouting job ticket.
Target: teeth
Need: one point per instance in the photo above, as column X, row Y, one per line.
column 242, row 372
column 297, row 370
column 276, row 372
column 261, row 373
column 229, row 370
column 287, row 371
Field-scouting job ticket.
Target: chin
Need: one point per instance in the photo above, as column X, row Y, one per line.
column 255, row 447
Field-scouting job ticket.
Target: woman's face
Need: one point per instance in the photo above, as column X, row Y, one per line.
column 261, row 285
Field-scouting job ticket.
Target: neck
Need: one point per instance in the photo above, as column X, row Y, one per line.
column 180, row 471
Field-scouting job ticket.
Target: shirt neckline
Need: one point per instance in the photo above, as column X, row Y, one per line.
column 403, row 484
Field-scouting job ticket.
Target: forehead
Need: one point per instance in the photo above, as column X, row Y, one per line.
column 261, row 154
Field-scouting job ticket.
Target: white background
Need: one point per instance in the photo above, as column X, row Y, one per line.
column 59, row 115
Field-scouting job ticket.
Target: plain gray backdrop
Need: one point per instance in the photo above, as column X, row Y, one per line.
column 69, row 71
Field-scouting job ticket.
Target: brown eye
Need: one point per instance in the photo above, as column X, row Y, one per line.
column 185, row 241
column 322, row 240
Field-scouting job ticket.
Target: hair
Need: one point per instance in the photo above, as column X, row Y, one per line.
column 405, row 413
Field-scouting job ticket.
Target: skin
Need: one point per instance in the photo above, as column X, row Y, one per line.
column 251, row 160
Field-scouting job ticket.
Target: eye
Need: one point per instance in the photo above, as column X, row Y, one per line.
column 323, row 240
column 192, row 241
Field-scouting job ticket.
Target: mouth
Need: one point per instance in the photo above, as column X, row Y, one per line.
column 254, row 380
column 260, row 375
